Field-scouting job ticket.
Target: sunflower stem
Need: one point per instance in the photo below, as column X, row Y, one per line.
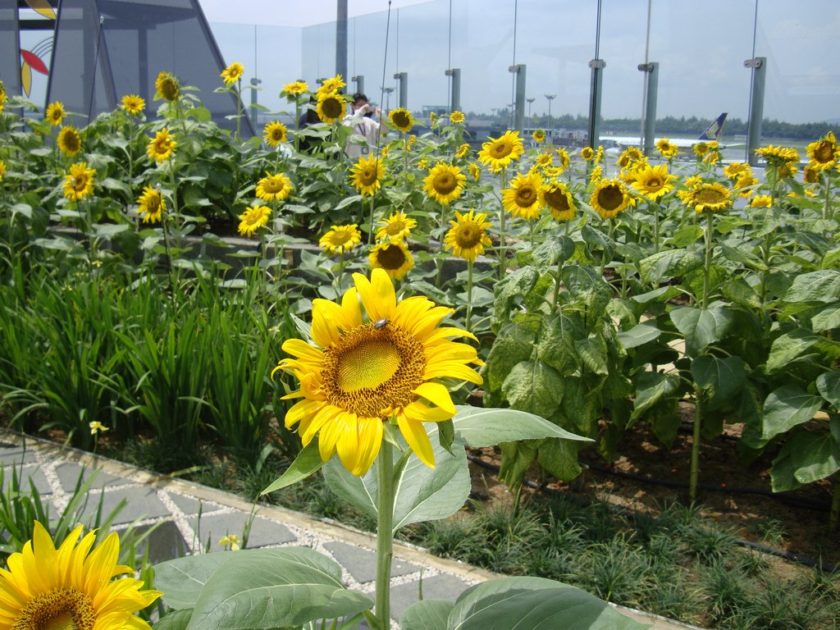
column 370, row 223
column 238, row 92
column 695, row 446
column 707, row 261
column 655, row 208
column 384, row 534
column 297, row 123
column 469, row 293
column 502, row 251
column 827, row 204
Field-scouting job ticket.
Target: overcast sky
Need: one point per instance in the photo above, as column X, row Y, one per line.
column 701, row 48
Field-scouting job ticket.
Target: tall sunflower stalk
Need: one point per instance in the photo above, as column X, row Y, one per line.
column 370, row 370
column 694, row 470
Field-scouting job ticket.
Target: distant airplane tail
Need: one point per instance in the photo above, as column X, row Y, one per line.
column 714, row 130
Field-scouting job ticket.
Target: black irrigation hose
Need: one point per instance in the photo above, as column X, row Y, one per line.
column 787, row 555
column 807, row 504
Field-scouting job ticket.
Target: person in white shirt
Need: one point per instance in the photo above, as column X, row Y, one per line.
column 365, row 129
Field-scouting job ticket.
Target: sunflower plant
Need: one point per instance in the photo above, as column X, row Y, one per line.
column 375, row 411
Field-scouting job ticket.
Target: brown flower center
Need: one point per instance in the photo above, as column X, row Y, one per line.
column 331, row 107
column 444, row 183
column 557, row 199
column 824, row 152
column 468, row 236
column 371, row 372
column 610, row 197
column 500, row 150
column 71, row 142
column 61, row 609
column 709, row 196
column 368, row 175
column 526, row 196
column 391, row 257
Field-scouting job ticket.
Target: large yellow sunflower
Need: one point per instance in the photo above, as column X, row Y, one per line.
column 565, row 160
column 331, row 107
column 232, row 73
column 72, row 587
column 558, row 199
column 653, row 181
column 629, row 157
column 295, row 88
column 456, row 118
column 133, row 104
column 359, row 372
column 167, row 87
column 341, row 239
column 55, row 113
column 253, row 219
column 151, row 205
column 78, row 183
column 367, row 174
column 69, row 141
column 498, row 153
column 737, row 169
column 777, row 156
column 522, row 199
column 275, row 133
column 609, row 198
column 538, row 136
column 746, row 184
column 402, row 119
column 397, row 227
column 468, row 235
column 161, row 146
column 761, row 201
column 587, row 153
column 444, row 183
column 331, row 86
column 824, row 153
column 710, row 196
column 393, row 257
column 666, row 149
column 463, row 151
column 274, row 187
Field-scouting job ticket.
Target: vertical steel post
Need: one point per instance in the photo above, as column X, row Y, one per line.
column 254, row 83
column 519, row 100
column 402, row 77
column 454, row 75
column 341, row 38
column 594, row 128
column 359, row 79
column 758, row 65
column 651, row 70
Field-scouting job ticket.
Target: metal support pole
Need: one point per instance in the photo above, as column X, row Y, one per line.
column 359, row 79
column 519, row 101
column 651, row 71
column 254, row 83
column 758, row 65
column 594, row 129
column 402, row 77
column 341, row 38
column 455, row 81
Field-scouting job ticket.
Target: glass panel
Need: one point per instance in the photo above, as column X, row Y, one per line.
column 9, row 46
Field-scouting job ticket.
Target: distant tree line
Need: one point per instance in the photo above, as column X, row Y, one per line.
column 683, row 125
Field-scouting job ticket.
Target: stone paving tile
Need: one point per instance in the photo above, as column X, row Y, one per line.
column 16, row 455
column 164, row 543
column 441, row 586
column 25, row 474
column 361, row 562
column 210, row 528
column 68, row 476
column 190, row 506
column 141, row 503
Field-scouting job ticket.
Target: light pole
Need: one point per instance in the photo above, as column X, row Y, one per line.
column 387, row 92
column 530, row 100
column 550, row 98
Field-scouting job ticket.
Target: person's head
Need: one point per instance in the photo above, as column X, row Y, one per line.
column 359, row 100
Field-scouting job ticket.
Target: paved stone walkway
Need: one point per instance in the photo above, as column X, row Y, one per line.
column 191, row 518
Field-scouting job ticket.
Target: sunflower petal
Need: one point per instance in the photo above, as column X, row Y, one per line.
column 417, row 439
column 438, row 394
column 377, row 294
